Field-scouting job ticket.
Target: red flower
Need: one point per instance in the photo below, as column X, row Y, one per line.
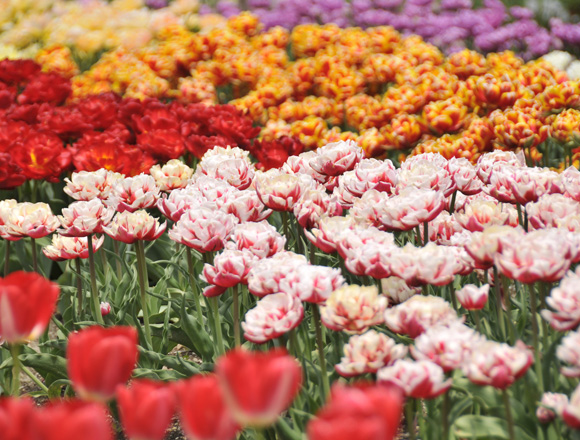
column 258, row 386
column 7, row 95
column 26, row 113
column 11, row 175
column 273, row 154
column 203, row 411
column 100, row 359
column 162, row 144
column 46, row 87
column 146, row 409
column 155, row 119
column 237, row 128
column 27, row 301
column 17, row 419
column 107, row 151
column 199, row 145
column 41, row 155
column 360, row 412
column 64, row 121
column 73, row 420
column 17, row 71
column 10, row 132
column 100, row 110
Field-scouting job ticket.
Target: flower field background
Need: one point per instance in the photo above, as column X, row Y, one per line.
column 332, row 220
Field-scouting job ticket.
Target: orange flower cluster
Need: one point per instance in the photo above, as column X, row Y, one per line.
column 323, row 83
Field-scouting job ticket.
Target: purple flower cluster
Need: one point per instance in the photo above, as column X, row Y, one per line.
column 450, row 24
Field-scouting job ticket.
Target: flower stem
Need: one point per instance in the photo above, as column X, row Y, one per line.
column 116, row 250
column 452, row 294
column 410, row 416
column 312, row 254
column 499, row 307
column 445, row 415
column 79, row 287
column 294, row 347
column 219, row 341
column 94, row 293
column 6, row 257
column 35, row 379
column 321, row 358
column 194, row 290
column 15, row 351
column 285, row 225
column 477, row 321
column 508, row 415
column 142, row 273
column 418, row 242
column 236, row 313
column 425, row 233
column 34, row 255
column 535, row 342
column 452, row 206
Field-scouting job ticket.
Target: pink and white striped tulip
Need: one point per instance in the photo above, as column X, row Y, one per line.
column 246, row 206
column 273, row 316
column 336, row 158
column 571, row 412
column 68, row 248
column 565, row 301
column 312, row 284
column 313, row 206
column 260, row 238
column 34, row 220
column 472, row 297
column 133, row 193
column 550, row 210
column 417, row 379
column 397, row 290
column 129, row 227
column 280, row 192
column 551, row 405
column 265, row 276
column 409, row 208
column 568, row 352
column 178, row 201
column 230, row 267
column 85, row 218
column 172, row 175
column 368, row 352
column 464, row 174
column 88, row 185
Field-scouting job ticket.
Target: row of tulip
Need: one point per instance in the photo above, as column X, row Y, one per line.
column 291, row 268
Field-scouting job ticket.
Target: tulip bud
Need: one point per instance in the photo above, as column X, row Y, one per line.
column 105, row 308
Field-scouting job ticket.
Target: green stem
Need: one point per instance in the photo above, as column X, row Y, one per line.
column 321, row 358
column 190, row 269
column 118, row 262
column 445, row 415
column 142, row 274
column 477, row 321
column 535, row 342
column 452, row 294
column 294, row 347
column 425, row 233
column 6, row 257
column 236, row 312
column 452, row 206
column 499, row 307
column 418, row 242
column 508, row 415
column 219, row 341
column 35, row 379
column 285, row 225
column 312, row 254
column 410, row 416
column 425, row 289
column 79, row 288
column 94, row 293
column 14, row 351
column 34, row 255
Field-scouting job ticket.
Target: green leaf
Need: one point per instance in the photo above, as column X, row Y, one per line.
column 481, row 427
column 198, row 337
column 45, row 364
column 157, row 374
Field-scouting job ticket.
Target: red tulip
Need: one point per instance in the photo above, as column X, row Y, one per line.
column 100, row 359
column 73, row 420
column 146, row 409
column 360, row 412
column 258, row 386
column 17, row 419
column 27, row 301
column 203, row 411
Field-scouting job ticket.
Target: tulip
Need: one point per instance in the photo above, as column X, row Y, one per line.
column 313, row 206
column 397, row 290
column 568, row 352
column 419, row 313
column 571, row 412
column 565, row 300
column 472, row 297
column 146, row 409
column 273, row 316
column 498, row 365
column 18, row 419
column 129, row 227
column 71, row 420
column 335, row 158
column 88, row 185
column 551, row 405
column 230, row 267
column 301, row 165
column 417, row 379
column 134, row 193
column 179, row 201
column 449, row 346
column 312, row 284
column 427, row 175
column 368, row 352
column 266, row 275
column 329, row 232
column 483, row 246
column 99, row 359
column 173, row 175
column 464, row 175
column 84, row 218
column 353, row 309
column 375, row 174
column 34, row 220
column 260, row 238
column 550, row 210
column 571, row 182
column 237, row 172
column 68, row 248
column 258, row 386
column 246, row 206
column 203, row 411
column 479, row 214
column 358, row 412
column 529, row 184
column 105, row 308
column 281, row 192
column 485, row 164
column 203, row 229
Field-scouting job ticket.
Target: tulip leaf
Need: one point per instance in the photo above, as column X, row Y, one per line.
column 285, row 432
column 198, row 337
column 147, row 373
column 46, row 364
column 482, row 427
